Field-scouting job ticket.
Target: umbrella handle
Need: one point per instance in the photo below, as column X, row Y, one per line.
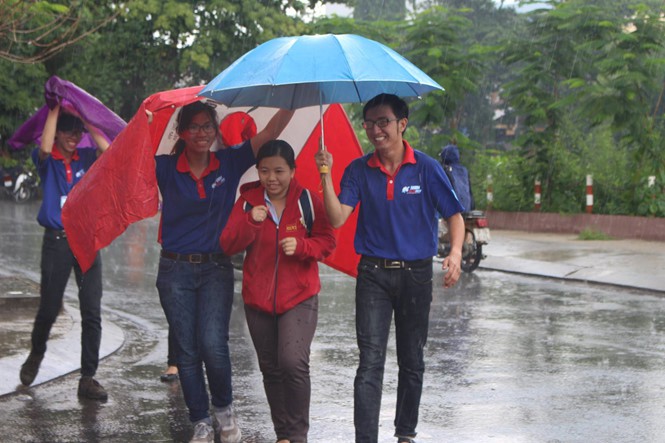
column 323, row 169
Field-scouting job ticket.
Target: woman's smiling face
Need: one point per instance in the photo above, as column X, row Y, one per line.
column 275, row 176
column 200, row 133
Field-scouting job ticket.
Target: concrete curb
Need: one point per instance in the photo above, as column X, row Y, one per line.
column 568, row 272
column 624, row 263
column 64, row 350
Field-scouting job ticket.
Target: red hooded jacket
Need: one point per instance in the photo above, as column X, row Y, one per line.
column 272, row 281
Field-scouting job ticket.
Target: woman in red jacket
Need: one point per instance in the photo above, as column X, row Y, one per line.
column 280, row 282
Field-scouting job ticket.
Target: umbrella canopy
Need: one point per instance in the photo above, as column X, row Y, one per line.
column 295, row 72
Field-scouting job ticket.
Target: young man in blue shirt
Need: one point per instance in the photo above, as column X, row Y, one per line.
column 61, row 165
column 401, row 191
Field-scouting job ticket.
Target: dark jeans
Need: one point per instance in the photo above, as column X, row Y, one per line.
column 57, row 263
column 379, row 293
column 197, row 299
column 170, row 357
column 282, row 346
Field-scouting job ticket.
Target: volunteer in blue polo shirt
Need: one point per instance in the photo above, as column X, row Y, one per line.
column 61, row 165
column 400, row 191
column 195, row 277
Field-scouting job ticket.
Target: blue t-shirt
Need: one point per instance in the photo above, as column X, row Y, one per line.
column 57, row 180
column 194, row 212
column 398, row 215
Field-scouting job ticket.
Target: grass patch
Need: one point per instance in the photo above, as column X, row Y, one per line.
column 592, row 234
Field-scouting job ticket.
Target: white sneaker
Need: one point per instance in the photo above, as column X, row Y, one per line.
column 203, row 433
column 227, row 425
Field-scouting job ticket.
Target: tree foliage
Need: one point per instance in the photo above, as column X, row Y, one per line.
column 21, row 94
column 583, row 81
column 432, row 41
column 33, row 31
column 601, row 63
column 157, row 45
column 383, row 10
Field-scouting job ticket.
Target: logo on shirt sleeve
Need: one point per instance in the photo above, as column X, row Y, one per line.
column 415, row 189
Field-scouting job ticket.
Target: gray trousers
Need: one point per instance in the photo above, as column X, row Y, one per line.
column 282, row 346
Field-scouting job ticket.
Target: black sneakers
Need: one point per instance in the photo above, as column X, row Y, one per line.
column 30, row 368
column 90, row 388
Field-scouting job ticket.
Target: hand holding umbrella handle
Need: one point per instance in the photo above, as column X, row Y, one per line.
column 323, row 161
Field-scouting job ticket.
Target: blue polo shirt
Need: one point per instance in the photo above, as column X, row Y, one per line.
column 398, row 215
column 57, row 180
column 194, row 211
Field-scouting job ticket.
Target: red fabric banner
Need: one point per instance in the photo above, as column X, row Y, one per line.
column 121, row 187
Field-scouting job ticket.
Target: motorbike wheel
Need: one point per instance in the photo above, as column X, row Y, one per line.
column 22, row 194
column 472, row 252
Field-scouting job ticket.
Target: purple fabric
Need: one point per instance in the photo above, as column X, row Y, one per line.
column 71, row 98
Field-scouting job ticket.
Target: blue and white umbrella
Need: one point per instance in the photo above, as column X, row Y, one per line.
column 308, row 70
column 295, row 72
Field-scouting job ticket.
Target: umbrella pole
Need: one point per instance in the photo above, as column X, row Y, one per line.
column 324, row 169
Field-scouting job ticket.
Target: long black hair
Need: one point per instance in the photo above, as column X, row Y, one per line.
column 185, row 117
column 277, row 148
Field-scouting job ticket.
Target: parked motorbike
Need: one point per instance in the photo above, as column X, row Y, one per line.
column 477, row 234
column 20, row 184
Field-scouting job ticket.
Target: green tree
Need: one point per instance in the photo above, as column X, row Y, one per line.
column 475, row 45
column 385, row 10
column 490, row 25
column 626, row 88
column 21, row 94
column 433, row 43
column 597, row 65
column 33, row 31
column 542, row 61
column 156, row 45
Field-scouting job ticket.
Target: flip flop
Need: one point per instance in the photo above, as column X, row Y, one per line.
column 167, row 378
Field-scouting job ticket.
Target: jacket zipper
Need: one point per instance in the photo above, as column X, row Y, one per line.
column 274, row 296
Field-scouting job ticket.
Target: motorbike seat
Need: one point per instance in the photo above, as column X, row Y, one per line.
column 476, row 213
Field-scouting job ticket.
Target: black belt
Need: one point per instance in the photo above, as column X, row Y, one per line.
column 196, row 258
column 59, row 233
column 385, row 263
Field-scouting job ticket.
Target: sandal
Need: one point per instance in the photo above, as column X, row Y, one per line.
column 168, row 376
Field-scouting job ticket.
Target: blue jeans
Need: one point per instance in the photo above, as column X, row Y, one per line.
column 56, row 266
column 170, row 357
column 379, row 293
column 197, row 300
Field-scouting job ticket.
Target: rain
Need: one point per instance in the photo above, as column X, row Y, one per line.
column 509, row 358
column 546, row 92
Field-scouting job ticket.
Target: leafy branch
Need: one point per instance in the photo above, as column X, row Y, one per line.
column 33, row 31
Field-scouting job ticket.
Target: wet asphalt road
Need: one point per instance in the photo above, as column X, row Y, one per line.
column 509, row 359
